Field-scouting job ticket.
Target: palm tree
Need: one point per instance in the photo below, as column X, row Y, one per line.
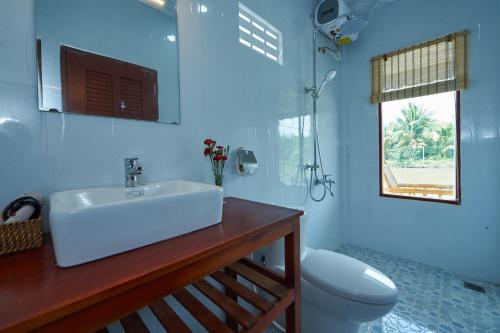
column 410, row 131
column 413, row 124
column 446, row 141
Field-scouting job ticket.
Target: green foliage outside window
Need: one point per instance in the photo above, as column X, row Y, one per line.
column 417, row 140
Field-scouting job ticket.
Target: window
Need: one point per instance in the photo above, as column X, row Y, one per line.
column 420, row 147
column 418, row 92
column 259, row 35
column 102, row 86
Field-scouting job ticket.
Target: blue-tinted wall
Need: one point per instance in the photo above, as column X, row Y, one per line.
column 228, row 92
column 244, row 99
column 465, row 238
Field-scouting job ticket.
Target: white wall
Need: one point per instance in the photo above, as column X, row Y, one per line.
column 227, row 92
column 465, row 238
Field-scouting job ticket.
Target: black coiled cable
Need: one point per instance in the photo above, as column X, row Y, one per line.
column 17, row 204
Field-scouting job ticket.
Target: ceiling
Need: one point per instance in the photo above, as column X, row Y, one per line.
column 164, row 6
column 365, row 7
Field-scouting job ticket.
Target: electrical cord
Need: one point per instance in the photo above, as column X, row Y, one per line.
column 19, row 203
column 275, row 323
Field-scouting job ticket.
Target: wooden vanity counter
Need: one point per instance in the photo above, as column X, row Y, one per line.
column 37, row 295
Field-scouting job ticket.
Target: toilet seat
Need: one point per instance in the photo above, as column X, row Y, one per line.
column 347, row 277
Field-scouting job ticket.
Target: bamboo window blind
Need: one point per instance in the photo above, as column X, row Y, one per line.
column 432, row 67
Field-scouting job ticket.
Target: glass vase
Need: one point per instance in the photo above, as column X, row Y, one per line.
column 218, row 180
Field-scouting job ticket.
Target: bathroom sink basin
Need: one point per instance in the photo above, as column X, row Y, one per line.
column 94, row 223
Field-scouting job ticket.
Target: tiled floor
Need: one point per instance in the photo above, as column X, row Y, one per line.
column 431, row 300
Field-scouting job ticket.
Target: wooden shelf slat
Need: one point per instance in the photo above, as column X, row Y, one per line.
column 248, row 295
column 134, row 324
column 270, row 272
column 206, row 318
column 230, row 307
column 271, row 286
column 240, row 319
column 230, row 322
column 265, row 319
column 168, row 318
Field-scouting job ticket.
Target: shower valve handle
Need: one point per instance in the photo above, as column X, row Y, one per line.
column 312, row 166
column 328, row 179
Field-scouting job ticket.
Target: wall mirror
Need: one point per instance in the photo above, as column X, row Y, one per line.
column 114, row 58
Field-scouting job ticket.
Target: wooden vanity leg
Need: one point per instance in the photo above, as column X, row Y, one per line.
column 292, row 277
column 230, row 322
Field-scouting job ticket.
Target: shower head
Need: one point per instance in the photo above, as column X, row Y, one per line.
column 328, row 77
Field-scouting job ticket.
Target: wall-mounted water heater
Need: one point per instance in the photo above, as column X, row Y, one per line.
column 336, row 20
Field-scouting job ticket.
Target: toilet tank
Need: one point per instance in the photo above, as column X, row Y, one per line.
column 275, row 253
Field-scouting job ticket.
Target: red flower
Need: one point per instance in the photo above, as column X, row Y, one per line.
column 217, row 158
column 207, row 151
column 209, row 142
column 220, row 147
column 224, row 158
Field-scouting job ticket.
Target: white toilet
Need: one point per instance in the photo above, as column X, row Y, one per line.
column 338, row 292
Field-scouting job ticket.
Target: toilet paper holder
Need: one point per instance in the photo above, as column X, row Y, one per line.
column 246, row 163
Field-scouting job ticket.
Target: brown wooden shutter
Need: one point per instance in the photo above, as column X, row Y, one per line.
column 150, row 93
column 99, row 92
column 102, row 86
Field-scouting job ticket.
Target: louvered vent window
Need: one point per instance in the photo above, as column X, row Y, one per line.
column 259, row 35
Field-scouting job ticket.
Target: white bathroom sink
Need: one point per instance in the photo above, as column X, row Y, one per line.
column 94, row 223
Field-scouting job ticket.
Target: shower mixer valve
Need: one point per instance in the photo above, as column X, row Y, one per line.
column 328, row 181
column 312, row 166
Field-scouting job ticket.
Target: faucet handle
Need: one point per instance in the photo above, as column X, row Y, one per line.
column 131, row 162
column 133, row 172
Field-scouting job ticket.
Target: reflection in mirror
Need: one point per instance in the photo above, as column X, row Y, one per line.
column 295, row 139
column 115, row 58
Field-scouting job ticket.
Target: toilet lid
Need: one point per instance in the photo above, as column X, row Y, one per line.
column 347, row 277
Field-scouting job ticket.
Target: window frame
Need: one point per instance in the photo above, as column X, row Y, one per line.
column 458, row 192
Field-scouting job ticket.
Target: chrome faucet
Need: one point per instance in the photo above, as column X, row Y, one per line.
column 133, row 172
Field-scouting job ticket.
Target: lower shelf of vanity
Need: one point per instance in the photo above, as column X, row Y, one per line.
column 236, row 280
